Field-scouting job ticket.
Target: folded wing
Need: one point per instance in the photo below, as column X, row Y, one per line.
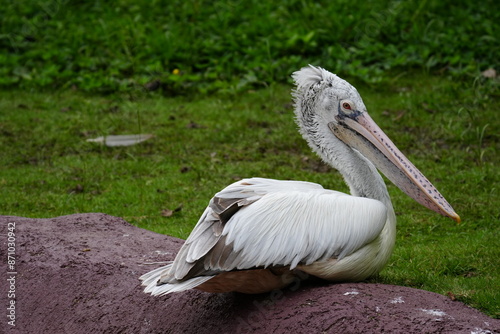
column 260, row 223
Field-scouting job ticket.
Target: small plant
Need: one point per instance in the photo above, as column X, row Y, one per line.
column 106, row 47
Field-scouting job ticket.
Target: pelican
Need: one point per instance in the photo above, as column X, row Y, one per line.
column 257, row 234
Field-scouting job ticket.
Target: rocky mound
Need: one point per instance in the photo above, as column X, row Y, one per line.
column 79, row 274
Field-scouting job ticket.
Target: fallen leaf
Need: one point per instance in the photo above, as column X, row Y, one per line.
column 169, row 213
column 451, row 295
column 489, row 73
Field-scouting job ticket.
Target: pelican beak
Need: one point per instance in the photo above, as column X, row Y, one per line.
column 360, row 132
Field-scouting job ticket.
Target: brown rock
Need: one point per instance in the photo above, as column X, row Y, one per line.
column 79, row 274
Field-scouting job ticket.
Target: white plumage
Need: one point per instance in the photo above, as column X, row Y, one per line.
column 259, row 234
column 295, row 222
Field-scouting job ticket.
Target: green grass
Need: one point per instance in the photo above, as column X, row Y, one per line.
column 108, row 46
column 448, row 128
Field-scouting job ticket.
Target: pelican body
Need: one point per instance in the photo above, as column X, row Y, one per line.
column 257, row 234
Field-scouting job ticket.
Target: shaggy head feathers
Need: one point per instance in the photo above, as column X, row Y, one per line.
column 313, row 80
column 311, row 75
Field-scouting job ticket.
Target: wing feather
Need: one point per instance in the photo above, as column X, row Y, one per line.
column 258, row 223
column 292, row 227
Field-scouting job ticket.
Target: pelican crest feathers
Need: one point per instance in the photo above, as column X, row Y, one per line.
column 308, row 76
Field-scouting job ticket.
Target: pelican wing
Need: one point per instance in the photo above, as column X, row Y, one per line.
column 258, row 223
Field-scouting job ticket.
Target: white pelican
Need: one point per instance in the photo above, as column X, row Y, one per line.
column 258, row 234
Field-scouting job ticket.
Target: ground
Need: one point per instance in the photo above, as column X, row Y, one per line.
column 79, row 274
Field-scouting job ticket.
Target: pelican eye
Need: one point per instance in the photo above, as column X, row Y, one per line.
column 347, row 106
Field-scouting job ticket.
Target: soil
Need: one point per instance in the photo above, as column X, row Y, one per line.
column 79, row 274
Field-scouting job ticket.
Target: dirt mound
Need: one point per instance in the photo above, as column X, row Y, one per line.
column 79, row 274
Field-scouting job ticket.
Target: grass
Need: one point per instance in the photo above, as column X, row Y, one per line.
column 234, row 45
column 448, row 128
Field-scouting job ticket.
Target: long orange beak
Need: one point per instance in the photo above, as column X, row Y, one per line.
column 363, row 134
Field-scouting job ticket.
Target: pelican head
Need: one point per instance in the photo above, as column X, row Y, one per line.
column 333, row 119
